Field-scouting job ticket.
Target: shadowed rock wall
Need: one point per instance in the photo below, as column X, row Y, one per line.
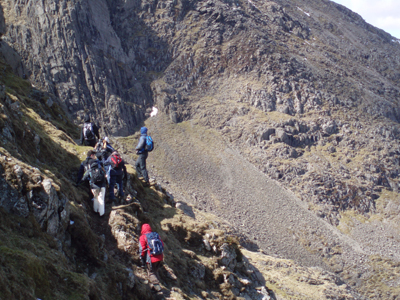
column 75, row 50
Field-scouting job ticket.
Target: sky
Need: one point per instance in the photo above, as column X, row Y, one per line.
column 384, row 14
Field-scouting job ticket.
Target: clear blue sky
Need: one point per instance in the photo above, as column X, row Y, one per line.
column 384, row 14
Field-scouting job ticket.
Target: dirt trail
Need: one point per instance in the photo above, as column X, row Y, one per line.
column 204, row 172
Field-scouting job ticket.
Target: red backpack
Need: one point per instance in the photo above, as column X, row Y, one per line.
column 116, row 160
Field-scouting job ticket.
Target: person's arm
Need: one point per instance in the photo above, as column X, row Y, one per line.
column 82, row 136
column 98, row 147
column 143, row 249
column 86, row 175
column 107, row 162
column 110, row 148
column 141, row 143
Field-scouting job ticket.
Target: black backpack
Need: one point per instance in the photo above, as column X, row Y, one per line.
column 97, row 174
column 88, row 132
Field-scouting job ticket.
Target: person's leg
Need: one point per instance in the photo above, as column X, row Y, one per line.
column 137, row 166
column 101, row 197
column 156, row 266
column 111, row 195
column 152, row 276
column 120, row 185
column 95, row 201
column 143, row 166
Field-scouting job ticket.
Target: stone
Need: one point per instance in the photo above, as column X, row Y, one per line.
column 228, row 256
column 207, row 245
column 131, row 279
column 266, row 134
column 21, row 208
column 197, row 269
column 18, row 171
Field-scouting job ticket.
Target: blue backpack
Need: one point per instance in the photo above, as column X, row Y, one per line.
column 154, row 243
column 149, row 144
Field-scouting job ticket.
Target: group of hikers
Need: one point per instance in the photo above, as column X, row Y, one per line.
column 104, row 167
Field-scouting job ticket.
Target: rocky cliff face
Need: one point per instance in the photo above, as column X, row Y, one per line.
column 75, row 51
column 101, row 56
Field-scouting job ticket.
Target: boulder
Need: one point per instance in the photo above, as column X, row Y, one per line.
column 266, row 134
column 228, row 256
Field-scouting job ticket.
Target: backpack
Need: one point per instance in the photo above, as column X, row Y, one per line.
column 116, row 160
column 88, row 132
column 96, row 172
column 149, row 144
column 154, row 243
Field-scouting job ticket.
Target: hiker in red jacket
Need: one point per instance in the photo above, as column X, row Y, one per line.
column 151, row 249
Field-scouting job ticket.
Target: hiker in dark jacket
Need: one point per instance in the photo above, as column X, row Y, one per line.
column 107, row 148
column 143, row 154
column 98, row 187
column 115, row 174
column 152, row 262
column 104, row 149
column 89, row 132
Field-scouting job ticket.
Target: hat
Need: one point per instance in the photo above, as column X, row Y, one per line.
column 106, row 139
column 143, row 130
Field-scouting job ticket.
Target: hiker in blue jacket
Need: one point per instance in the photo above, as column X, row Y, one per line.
column 143, row 154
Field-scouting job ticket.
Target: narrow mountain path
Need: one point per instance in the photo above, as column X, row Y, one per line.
column 204, row 172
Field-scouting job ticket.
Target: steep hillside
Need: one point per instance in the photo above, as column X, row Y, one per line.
column 267, row 109
column 53, row 246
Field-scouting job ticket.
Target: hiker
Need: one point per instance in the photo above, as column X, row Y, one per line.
column 116, row 172
column 96, row 175
column 104, row 149
column 151, row 249
column 107, row 148
column 143, row 154
column 89, row 133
